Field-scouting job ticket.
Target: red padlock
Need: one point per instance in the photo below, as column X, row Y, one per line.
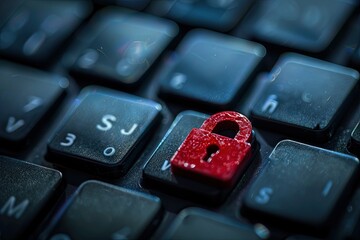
column 207, row 155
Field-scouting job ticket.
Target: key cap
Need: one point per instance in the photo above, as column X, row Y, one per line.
column 157, row 171
column 305, row 97
column 301, row 185
column 26, row 96
column 210, row 68
column 26, row 191
column 196, row 223
column 38, row 29
column 300, row 24
column 217, row 15
column 105, row 132
column 119, row 46
column 103, row 211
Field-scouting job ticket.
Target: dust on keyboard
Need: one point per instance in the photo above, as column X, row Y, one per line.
column 98, row 97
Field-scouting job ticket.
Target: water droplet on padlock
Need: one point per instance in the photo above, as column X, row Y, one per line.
column 217, row 152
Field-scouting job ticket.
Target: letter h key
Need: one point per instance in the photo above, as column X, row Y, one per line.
column 209, row 154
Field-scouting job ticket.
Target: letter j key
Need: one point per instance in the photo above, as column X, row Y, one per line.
column 103, row 132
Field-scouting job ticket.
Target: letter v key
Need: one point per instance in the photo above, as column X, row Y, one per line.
column 14, row 125
column 165, row 165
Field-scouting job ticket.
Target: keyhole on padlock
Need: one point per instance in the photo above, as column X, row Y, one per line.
column 211, row 150
column 227, row 128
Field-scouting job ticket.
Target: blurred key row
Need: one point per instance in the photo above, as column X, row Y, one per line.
column 282, row 106
column 36, row 36
column 98, row 210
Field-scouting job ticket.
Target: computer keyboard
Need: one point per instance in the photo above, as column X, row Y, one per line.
column 96, row 98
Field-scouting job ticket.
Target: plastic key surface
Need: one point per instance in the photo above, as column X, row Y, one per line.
column 218, row 15
column 103, row 211
column 120, row 45
column 302, row 185
column 210, row 68
column 39, row 28
column 26, row 190
column 195, row 223
column 105, row 132
column 157, row 171
column 26, row 96
column 300, row 24
column 305, row 97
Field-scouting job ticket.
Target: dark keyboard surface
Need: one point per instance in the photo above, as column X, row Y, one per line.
column 96, row 98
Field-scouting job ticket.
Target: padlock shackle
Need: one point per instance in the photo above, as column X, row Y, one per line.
column 243, row 123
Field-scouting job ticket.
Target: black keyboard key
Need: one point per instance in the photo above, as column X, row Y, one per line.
column 120, row 46
column 105, row 132
column 26, row 192
column 308, row 25
column 305, row 97
column 26, row 96
column 218, row 15
column 210, row 68
column 196, row 223
column 301, row 185
column 103, row 211
column 157, row 171
column 38, row 29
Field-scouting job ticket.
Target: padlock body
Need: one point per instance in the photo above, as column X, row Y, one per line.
column 222, row 168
